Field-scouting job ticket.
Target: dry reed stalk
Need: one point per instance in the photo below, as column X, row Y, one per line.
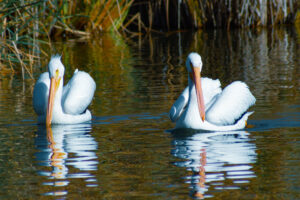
column 136, row 16
column 21, row 61
column 178, row 14
column 167, row 13
column 74, row 32
column 20, row 32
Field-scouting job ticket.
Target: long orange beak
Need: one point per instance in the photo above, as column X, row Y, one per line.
column 54, row 84
column 197, row 80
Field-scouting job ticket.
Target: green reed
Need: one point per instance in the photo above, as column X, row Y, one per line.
column 26, row 25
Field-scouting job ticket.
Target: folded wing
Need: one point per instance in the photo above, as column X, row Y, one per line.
column 211, row 88
column 231, row 104
column 179, row 105
column 41, row 93
column 78, row 93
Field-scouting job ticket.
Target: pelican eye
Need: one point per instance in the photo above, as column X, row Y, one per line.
column 56, row 73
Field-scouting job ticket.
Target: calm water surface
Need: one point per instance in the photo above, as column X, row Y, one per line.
column 129, row 150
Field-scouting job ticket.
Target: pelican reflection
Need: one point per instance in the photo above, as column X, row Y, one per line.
column 214, row 157
column 66, row 152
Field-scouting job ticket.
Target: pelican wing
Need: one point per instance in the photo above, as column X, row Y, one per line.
column 41, row 93
column 78, row 93
column 211, row 89
column 231, row 104
column 179, row 105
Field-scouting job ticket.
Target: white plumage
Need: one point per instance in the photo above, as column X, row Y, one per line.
column 222, row 110
column 81, row 87
column 66, row 105
column 230, row 104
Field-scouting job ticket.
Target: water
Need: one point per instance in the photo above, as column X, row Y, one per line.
column 129, row 150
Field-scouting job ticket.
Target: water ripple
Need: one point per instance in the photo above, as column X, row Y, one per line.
column 63, row 149
column 213, row 158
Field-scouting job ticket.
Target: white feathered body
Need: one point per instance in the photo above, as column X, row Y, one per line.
column 81, row 87
column 225, row 109
column 71, row 101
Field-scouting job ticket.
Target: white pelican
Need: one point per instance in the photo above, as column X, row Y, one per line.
column 55, row 104
column 203, row 104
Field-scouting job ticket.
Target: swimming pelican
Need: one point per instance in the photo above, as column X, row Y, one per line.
column 203, row 104
column 55, row 104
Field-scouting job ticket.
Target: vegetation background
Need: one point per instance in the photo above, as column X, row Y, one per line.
column 26, row 25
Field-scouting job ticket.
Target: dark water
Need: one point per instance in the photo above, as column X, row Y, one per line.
column 129, row 151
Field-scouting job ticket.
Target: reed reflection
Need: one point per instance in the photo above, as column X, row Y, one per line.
column 217, row 160
column 66, row 149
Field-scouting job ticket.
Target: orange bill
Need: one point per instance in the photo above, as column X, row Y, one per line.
column 54, row 83
column 200, row 100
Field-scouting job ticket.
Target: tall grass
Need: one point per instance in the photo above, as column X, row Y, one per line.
column 25, row 25
column 20, row 29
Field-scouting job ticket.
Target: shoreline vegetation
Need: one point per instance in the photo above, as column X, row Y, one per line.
column 26, row 25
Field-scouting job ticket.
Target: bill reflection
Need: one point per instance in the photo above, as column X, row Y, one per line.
column 66, row 152
column 216, row 160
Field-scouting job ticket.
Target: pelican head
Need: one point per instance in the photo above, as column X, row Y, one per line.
column 193, row 60
column 56, row 72
column 55, row 67
column 194, row 67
